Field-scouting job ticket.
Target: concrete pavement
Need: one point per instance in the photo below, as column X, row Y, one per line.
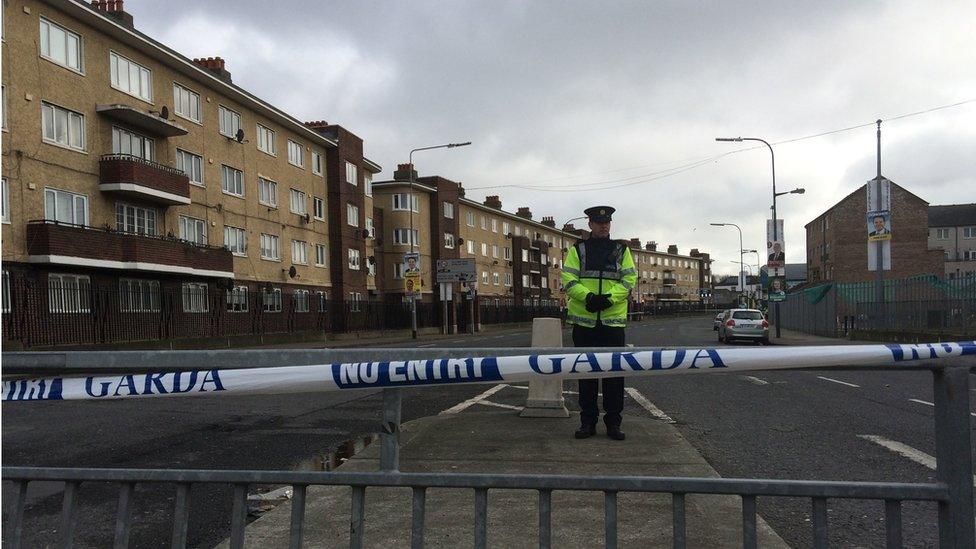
column 501, row 442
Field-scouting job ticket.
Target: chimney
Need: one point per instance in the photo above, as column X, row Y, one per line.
column 651, row 246
column 569, row 228
column 403, row 171
column 493, row 202
column 694, row 252
column 113, row 9
column 215, row 65
column 549, row 222
column 524, row 212
column 635, row 243
column 672, row 249
column 460, row 190
column 317, row 124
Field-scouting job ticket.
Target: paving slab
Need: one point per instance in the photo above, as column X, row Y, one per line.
column 502, row 442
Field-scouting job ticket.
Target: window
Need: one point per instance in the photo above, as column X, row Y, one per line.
column 296, row 154
column 352, row 174
column 484, row 249
column 300, row 298
column 484, row 223
column 371, row 268
column 518, row 231
column 271, row 300
column 316, row 163
column 469, row 218
column 237, row 299
column 449, row 210
column 449, row 241
column 545, row 259
column 195, row 298
column 320, row 255
column 323, row 301
column 63, row 127
column 355, row 302
column 506, row 228
column 191, row 165
column 130, row 77
column 508, row 253
column 230, row 122
column 545, row 282
column 508, row 279
column 403, row 236
column 269, row 247
column 406, row 202
column 969, row 232
column 5, row 202
column 235, row 240
column 494, row 225
column 3, row 107
column 352, row 215
column 135, row 219
column 68, row 293
column 186, row 103
column 267, row 192
column 942, row 234
column 471, row 247
column 65, row 207
column 193, row 230
column 266, row 140
column 131, row 143
column 525, row 281
column 61, row 46
column 318, row 208
column 369, row 227
column 299, row 203
column 299, row 252
column 5, row 292
column 354, row 259
column 232, row 181
column 525, row 255
column 495, row 279
column 368, row 184
column 484, row 277
column 494, row 251
column 138, row 296
column 398, row 270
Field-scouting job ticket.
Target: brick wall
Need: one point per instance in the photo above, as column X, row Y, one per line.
column 120, row 169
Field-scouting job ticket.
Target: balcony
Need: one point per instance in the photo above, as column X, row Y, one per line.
column 63, row 244
column 669, row 281
column 137, row 178
column 149, row 122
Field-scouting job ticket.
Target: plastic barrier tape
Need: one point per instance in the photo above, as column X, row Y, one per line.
column 413, row 373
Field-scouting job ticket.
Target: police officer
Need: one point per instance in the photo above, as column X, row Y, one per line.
column 598, row 275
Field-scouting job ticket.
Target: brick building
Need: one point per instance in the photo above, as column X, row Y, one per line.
column 837, row 240
column 952, row 229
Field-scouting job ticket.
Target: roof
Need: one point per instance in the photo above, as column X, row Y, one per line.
column 861, row 189
column 952, row 215
column 796, row 271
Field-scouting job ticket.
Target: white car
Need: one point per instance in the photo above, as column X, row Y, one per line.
column 719, row 318
column 749, row 324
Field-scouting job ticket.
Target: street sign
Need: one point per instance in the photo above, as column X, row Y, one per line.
column 777, row 288
column 456, row 270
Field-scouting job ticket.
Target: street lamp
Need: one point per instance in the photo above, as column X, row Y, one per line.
column 798, row 190
column 741, row 282
column 413, row 241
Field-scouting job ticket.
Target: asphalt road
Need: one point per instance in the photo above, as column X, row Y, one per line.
column 771, row 425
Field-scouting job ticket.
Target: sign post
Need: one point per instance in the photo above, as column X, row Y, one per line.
column 776, row 264
column 447, row 273
column 412, row 285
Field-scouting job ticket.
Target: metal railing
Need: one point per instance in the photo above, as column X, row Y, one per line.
column 952, row 491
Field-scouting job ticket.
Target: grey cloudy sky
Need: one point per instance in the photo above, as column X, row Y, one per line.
column 573, row 98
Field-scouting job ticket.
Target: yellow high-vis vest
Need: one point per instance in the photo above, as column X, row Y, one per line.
column 616, row 279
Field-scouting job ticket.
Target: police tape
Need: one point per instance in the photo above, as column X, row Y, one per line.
column 445, row 371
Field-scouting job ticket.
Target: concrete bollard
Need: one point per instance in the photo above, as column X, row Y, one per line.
column 546, row 395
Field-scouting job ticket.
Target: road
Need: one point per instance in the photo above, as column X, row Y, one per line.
column 836, row 425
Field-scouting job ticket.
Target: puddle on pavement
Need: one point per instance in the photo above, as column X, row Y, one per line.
column 264, row 498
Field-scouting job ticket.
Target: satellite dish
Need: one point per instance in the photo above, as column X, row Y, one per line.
column 460, row 240
column 164, row 112
column 292, row 272
column 365, row 233
column 240, row 135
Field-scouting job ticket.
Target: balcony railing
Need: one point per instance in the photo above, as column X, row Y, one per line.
column 135, row 176
column 68, row 244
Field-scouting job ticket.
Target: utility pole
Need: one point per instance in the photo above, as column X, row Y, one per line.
column 879, row 245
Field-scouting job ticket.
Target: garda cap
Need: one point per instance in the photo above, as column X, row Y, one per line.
column 600, row 214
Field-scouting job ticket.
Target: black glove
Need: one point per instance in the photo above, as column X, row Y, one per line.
column 591, row 303
column 602, row 302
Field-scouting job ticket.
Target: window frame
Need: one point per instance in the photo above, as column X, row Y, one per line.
column 296, row 247
column 324, row 255
column 300, row 198
column 4, row 201
column 81, row 46
column 190, row 93
column 74, row 206
column 318, row 208
column 269, row 136
column 221, row 109
column 237, row 300
column 185, row 222
column 300, row 305
column 300, row 153
column 148, row 212
column 354, row 254
column 317, row 163
column 352, row 215
column 82, row 148
column 80, row 303
column 147, row 144
column 449, row 241
column 115, row 83
column 224, row 169
column 273, row 242
column 354, row 174
column 272, row 198
column 240, row 238
column 144, row 287
column 271, row 301
column 180, row 160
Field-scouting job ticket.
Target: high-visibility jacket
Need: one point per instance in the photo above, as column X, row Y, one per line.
column 616, row 278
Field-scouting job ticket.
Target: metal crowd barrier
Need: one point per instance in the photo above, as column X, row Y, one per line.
column 953, row 490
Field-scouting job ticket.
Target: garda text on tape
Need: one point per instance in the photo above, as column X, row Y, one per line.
column 413, row 373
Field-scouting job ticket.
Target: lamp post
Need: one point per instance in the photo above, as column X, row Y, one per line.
column 413, row 241
column 741, row 282
column 772, row 158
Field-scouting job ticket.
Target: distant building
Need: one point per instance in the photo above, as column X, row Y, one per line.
column 837, row 240
column 952, row 229
column 796, row 274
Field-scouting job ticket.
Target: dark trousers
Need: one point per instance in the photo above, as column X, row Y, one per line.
column 613, row 387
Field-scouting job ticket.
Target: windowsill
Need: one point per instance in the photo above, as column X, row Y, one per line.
column 132, row 95
column 241, row 196
column 303, row 214
column 66, row 67
column 188, row 119
column 65, row 147
column 231, row 137
column 274, row 154
column 316, row 173
column 270, row 259
column 238, row 255
column 195, row 184
column 269, row 206
column 322, row 265
column 296, row 165
column 318, row 218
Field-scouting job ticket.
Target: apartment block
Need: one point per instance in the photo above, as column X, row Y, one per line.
column 667, row 276
column 952, row 229
column 129, row 167
column 837, row 240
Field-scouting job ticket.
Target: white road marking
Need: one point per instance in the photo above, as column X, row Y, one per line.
column 427, row 345
column 457, row 408
column 519, row 387
column 499, row 405
column 839, row 381
column 756, row 380
column 931, row 404
column 650, row 407
column 905, row 450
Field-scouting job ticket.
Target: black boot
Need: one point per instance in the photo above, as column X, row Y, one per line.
column 585, row 431
column 615, row 433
